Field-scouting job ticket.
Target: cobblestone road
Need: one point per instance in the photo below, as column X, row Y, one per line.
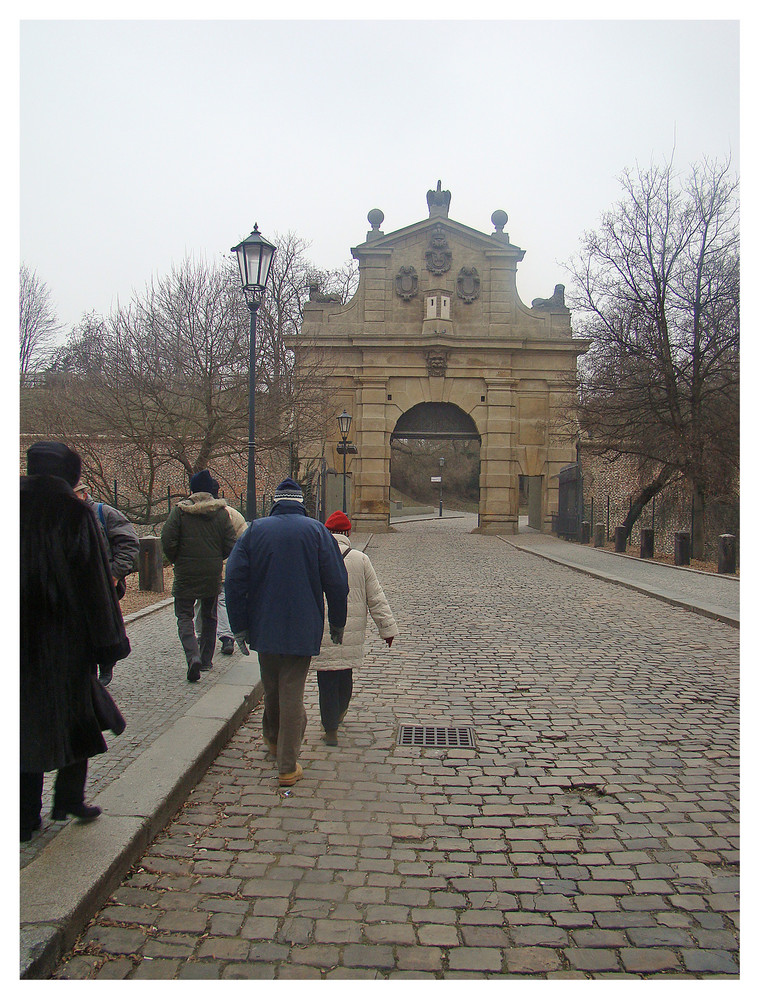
column 592, row 833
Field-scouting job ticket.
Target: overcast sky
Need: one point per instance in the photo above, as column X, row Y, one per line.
column 145, row 141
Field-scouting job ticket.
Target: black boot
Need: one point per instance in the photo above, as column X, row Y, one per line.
column 26, row 832
column 82, row 811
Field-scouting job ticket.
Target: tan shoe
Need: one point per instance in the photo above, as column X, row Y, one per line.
column 271, row 747
column 293, row 777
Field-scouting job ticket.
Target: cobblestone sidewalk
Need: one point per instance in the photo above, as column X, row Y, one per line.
column 592, row 833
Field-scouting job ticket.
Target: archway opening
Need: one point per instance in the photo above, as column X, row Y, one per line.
column 435, row 461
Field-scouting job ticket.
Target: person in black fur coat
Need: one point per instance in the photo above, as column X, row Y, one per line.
column 70, row 622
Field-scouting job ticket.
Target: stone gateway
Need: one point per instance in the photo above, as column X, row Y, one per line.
column 437, row 319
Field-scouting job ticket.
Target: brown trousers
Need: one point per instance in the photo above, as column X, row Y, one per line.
column 284, row 722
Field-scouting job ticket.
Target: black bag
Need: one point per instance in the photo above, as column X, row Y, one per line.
column 106, row 710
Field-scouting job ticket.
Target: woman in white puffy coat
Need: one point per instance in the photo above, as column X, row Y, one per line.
column 335, row 663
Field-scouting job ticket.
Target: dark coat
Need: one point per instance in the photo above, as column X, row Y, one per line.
column 70, row 622
column 197, row 537
column 122, row 543
column 275, row 580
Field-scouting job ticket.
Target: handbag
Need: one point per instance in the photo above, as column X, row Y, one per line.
column 106, row 710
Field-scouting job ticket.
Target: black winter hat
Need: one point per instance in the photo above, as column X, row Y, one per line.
column 51, row 458
column 204, row 482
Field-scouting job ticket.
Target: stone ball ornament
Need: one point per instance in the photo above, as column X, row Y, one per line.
column 499, row 219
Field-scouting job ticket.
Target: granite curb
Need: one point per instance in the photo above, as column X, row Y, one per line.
column 149, row 610
column 707, row 610
column 74, row 875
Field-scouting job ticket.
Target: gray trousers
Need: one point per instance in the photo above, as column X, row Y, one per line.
column 223, row 629
column 284, row 722
column 196, row 651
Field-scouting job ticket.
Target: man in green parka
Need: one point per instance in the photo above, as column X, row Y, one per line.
column 196, row 538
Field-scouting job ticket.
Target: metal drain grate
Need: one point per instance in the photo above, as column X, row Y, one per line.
column 436, row 736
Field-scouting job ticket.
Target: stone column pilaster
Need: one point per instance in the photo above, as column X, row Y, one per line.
column 373, row 478
column 498, row 469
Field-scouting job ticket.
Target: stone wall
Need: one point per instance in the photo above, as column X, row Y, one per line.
column 116, row 465
column 621, row 480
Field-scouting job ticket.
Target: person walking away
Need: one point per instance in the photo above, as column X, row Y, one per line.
column 203, row 481
column 336, row 664
column 122, row 548
column 70, row 621
column 196, row 538
column 278, row 576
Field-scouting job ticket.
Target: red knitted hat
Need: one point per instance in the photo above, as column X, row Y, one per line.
column 338, row 522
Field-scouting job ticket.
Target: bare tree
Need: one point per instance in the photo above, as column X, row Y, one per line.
column 414, row 462
column 166, row 379
column 164, row 376
column 38, row 323
column 656, row 288
column 294, row 401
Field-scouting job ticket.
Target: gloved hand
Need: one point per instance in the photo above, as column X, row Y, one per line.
column 389, row 640
column 336, row 634
column 241, row 638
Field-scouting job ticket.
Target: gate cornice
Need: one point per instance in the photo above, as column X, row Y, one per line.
column 500, row 382
column 362, row 340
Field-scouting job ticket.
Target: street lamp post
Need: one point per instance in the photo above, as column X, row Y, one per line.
column 344, row 424
column 254, row 256
column 440, row 494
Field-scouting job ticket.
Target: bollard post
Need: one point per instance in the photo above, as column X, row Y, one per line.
column 727, row 554
column 599, row 535
column 647, row 543
column 620, row 538
column 151, row 565
column 682, row 548
column 585, row 532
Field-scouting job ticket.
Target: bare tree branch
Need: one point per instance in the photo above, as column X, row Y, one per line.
column 38, row 323
column 656, row 289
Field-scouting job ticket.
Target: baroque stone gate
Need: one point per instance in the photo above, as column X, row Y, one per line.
column 437, row 343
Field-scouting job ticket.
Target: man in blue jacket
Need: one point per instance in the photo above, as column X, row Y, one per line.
column 278, row 576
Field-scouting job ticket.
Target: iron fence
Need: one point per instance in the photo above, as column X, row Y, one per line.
column 670, row 511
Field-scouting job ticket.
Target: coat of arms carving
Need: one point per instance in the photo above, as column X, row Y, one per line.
column 406, row 283
column 438, row 255
column 468, row 284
